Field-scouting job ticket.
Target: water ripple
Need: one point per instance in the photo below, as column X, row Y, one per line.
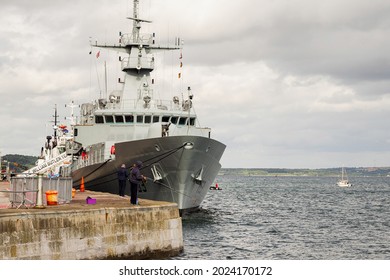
column 300, row 218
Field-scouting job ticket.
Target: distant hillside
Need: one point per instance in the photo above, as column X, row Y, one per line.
column 330, row 172
column 18, row 163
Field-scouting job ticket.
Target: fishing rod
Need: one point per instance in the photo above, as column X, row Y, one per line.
column 162, row 156
column 155, row 182
column 164, row 185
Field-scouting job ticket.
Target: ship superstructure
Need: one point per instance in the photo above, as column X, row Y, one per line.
column 181, row 160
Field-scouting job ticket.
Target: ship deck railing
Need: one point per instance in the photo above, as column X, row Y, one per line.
column 97, row 153
column 137, row 63
column 133, row 104
column 142, row 39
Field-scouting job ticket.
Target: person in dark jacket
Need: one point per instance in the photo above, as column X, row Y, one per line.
column 135, row 180
column 123, row 174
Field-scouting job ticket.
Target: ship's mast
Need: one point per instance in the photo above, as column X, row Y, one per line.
column 139, row 62
column 55, row 121
column 72, row 118
column 136, row 23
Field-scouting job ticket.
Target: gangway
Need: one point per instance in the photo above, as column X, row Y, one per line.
column 51, row 164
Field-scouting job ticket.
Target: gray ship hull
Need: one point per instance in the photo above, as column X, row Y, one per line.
column 180, row 169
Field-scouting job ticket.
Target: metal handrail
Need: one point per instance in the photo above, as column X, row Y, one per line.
column 25, row 189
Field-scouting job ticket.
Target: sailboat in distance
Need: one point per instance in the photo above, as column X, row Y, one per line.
column 344, row 182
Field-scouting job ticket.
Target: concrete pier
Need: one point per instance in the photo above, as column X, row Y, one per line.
column 109, row 229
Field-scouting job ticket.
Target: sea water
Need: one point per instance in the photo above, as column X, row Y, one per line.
column 291, row 218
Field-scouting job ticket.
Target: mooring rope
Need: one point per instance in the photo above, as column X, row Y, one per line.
column 161, row 157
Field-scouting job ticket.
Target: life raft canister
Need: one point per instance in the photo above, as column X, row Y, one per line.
column 113, row 149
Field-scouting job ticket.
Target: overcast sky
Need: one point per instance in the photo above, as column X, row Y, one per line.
column 288, row 84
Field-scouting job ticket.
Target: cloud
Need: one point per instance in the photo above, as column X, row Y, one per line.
column 283, row 83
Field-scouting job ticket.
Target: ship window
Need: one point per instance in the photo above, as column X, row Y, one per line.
column 192, row 121
column 156, row 119
column 99, row 119
column 76, row 132
column 140, row 119
column 174, row 120
column 129, row 118
column 119, row 119
column 148, row 119
column 109, row 119
column 182, row 121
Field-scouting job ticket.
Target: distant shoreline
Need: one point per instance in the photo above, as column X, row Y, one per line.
column 19, row 163
column 323, row 172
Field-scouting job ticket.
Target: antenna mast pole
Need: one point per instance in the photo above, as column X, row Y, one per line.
column 55, row 121
column 136, row 22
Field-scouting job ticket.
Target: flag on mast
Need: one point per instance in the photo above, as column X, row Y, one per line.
column 181, row 63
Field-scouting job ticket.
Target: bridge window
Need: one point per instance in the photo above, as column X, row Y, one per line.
column 109, row 119
column 119, row 119
column 174, row 120
column 140, row 119
column 99, row 119
column 165, row 119
column 129, row 118
column 156, row 119
column 148, row 119
column 192, row 121
column 182, row 121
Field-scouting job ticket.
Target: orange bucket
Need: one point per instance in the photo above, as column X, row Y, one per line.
column 52, row 197
column 73, row 192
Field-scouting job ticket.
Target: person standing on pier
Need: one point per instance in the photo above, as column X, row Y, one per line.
column 135, row 179
column 123, row 174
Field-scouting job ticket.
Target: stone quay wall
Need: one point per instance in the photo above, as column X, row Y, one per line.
column 103, row 233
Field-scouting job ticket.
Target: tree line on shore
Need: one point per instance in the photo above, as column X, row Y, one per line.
column 20, row 163
column 323, row 172
column 17, row 163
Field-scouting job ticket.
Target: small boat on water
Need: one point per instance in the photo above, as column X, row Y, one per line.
column 215, row 188
column 344, row 182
